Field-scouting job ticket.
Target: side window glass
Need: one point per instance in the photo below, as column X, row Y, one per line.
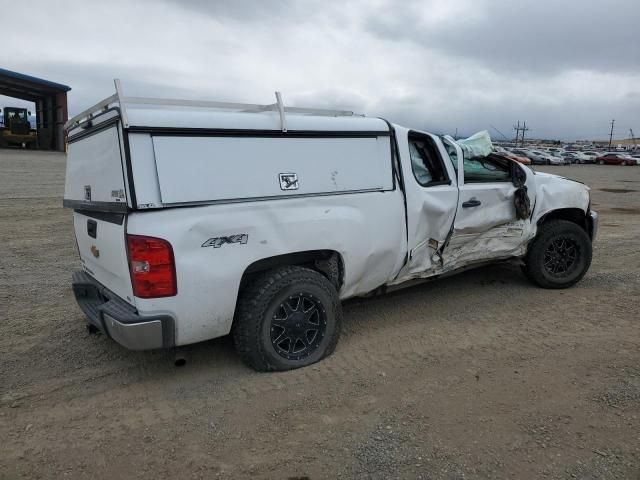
column 487, row 169
column 426, row 163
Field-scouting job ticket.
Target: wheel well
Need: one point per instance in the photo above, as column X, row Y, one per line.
column 574, row 215
column 327, row 262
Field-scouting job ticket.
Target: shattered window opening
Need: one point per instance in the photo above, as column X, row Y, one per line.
column 426, row 164
column 486, row 169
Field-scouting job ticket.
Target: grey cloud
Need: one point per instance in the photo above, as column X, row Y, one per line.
column 244, row 10
column 337, row 99
column 502, row 62
column 529, row 36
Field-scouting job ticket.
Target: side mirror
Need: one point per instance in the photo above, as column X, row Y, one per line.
column 28, row 113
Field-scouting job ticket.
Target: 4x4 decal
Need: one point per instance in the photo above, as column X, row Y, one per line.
column 217, row 242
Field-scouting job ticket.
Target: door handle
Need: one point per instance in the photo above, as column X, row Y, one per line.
column 474, row 202
column 92, row 228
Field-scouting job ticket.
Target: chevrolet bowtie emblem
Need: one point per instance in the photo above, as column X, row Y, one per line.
column 95, row 251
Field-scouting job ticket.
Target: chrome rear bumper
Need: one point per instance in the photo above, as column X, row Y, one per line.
column 119, row 320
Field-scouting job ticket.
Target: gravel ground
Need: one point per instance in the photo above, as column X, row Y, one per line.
column 480, row 375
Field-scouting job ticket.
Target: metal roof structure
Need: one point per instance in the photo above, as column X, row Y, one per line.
column 26, row 87
column 50, row 99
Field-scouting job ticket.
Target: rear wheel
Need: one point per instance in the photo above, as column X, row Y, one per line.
column 287, row 318
column 559, row 256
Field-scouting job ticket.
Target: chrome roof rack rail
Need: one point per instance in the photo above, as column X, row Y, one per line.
column 120, row 99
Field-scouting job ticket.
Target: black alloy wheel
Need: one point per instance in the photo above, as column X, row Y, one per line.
column 287, row 318
column 298, row 326
column 560, row 256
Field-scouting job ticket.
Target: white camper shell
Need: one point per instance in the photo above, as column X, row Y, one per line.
column 196, row 219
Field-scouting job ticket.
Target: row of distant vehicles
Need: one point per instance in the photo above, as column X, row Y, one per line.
column 560, row 156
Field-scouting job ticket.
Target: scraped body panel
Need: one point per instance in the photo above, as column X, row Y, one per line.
column 365, row 229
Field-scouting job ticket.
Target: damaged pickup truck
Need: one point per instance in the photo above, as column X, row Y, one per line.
column 194, row 220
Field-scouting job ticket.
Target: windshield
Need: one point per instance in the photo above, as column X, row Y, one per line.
column 17, row 114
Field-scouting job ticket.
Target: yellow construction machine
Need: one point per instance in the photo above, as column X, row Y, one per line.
column 15, row 129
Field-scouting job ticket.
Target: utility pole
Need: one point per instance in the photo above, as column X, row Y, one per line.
column 611, row 134
column 517, row 129
column 524, row 129
column 455, row 135
column 633, row 138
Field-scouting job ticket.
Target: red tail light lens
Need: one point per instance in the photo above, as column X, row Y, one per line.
column 153, row 268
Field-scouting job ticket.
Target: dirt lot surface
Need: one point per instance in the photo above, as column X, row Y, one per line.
column 481, row 375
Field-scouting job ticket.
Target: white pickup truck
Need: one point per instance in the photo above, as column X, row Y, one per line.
column 194, row 220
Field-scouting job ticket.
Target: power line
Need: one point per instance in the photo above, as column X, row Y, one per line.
column 503, row 135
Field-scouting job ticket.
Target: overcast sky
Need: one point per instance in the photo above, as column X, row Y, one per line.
column 567, row 67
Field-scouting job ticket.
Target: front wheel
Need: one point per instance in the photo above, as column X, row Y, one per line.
column 601, row 162
column 287, row 318
column 559, row 256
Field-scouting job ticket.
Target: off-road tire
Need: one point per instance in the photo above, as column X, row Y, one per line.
column 534, row 267
column 257, row 304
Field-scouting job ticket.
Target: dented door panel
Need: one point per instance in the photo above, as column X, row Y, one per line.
column 487, row 230
column 487, row 224
column 430, row 213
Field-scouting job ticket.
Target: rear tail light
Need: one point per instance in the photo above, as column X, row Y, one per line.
column 152, row 266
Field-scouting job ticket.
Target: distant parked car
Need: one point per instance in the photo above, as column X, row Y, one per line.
column 591, row 155
column 614, row 158
column 516, row 158
column 535, row 159
column 571, row 157
column 549, row 159
column 559, row 160
column 556, row 151
column 578, row 157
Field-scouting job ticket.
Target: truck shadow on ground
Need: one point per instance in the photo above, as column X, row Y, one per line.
column 374, row 324
column 218, row 357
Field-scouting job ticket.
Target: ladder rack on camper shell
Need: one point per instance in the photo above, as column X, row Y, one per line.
column 121, row 100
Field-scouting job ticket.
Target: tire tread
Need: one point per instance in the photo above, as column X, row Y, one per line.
column 254, row 301
column 532, row 260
